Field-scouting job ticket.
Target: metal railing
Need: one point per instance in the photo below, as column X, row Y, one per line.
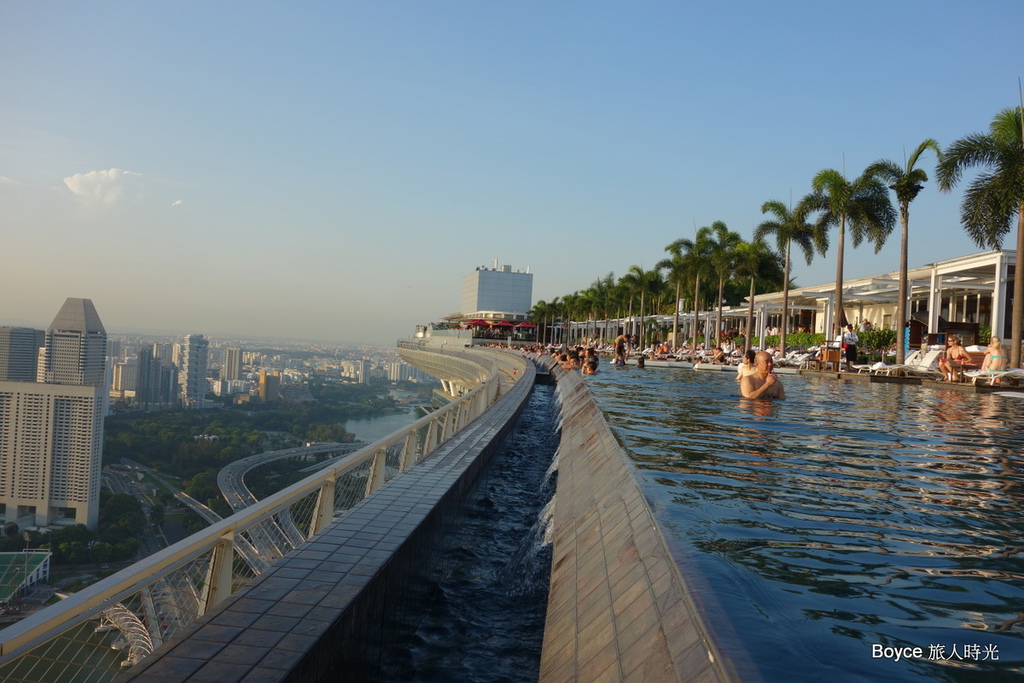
column 80, row 638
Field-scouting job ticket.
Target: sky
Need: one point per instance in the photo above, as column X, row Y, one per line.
column 331, row 170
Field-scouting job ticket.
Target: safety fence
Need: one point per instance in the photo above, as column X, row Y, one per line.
column 118, row 621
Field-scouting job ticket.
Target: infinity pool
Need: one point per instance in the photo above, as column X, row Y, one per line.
column 855, row 532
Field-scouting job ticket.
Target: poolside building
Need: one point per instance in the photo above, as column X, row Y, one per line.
column 958, row 295
column 973, row 290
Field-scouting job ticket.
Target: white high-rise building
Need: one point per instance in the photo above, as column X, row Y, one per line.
column 497, row 293
column 195, row 354
column 51, row 448
column 125, row 377
column 51, row 433
column 232, row 369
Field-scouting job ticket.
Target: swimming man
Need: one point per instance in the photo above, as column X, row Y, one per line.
column 762, row 383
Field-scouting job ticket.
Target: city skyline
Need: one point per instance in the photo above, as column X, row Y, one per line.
column 329, row 172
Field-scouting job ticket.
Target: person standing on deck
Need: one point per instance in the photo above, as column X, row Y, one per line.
column 850, row 341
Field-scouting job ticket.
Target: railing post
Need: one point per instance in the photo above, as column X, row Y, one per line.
column 430, row 443
column 408, row 452
column 460, row 416
column 219, row 574
column 482, row 401
column 324, row 507
column 421, row 445
column 375, row 477
column 443, row 428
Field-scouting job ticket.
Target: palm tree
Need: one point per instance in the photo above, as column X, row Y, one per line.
column 538, row 316
column 603, row 288
column 678, row 270
column 906, row 182
column 570, row 306
column 756, row 260
column 658, row 293
column 723, row 252
column 617, row 299
column 645, row 282
column 696, row 253
column 994, row 197
column 556, row 312
column 863, row 205
column 789, row 226
column 590, row 301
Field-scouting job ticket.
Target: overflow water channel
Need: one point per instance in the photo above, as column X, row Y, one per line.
column 483, row 621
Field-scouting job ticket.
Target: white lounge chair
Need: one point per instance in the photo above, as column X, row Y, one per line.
column 883, row 368
column 991, row 375
column 922, row 363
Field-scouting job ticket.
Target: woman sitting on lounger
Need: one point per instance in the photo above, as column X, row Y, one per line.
column 956, row 357
column 995, row 358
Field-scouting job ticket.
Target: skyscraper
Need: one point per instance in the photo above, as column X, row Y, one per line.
column 157, row 383
column 125, row 377
column 76, row 347
column 51, row 433
column 232, row 369
column 195, row 353
column 270, row 386
column 19, row 353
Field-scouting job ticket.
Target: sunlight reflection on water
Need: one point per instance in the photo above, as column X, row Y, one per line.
column 847, row 516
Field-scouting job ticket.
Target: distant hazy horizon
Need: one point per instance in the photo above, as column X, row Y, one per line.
column 178, row 334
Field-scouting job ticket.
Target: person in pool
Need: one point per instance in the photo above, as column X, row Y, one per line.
column 746, row 366
column 763, row 383
column 621, row 349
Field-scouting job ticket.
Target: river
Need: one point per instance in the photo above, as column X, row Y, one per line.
column 371, row 429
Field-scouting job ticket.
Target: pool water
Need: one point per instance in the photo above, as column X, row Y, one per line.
column 828, row 534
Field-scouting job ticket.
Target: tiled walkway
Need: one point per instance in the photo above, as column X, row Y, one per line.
column 617, row 608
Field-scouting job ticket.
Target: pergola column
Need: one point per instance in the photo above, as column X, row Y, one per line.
column 999, row 296
column 934, row 302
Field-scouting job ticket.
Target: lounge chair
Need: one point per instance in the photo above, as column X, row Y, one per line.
column 926, row 369
column 796, row 359
column 920, row 362
column 991, row 375
column 883, row 368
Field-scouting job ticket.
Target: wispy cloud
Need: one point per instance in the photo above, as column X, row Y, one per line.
column 104, row 186
column 176, row 202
